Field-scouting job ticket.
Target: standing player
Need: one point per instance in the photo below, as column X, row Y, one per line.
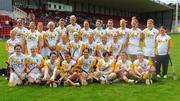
column 17, row 66
column 32, row 37
column 110, row 30
column 61, row 28
column 98, row 31
column 163, row 45
column 123, row 33
column 12, row 42
column 21, row 33
column 134, row 40
column 41, row 48
column 51, row 38
column 149, row 36
column 73, row 27
column 86, row 31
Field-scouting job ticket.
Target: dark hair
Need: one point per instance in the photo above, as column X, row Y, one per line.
column 67, row 52
column 52, row 53
column 86, row 49
column 106, row 53
column 123, row 53
column 17, row 45
column 162, row 27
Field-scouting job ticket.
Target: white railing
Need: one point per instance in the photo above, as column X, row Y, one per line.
column 18, row 13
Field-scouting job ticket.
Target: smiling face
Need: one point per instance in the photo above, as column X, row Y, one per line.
column 86, row 53
column 32, row 26
column 98, row 23
column 86, row 24
column 73, row 19
column 33, row 51
column 123, row 56
column 110, row 23
column 150, row 23
column 134, row 24
column 162, row 30
column 40, row 26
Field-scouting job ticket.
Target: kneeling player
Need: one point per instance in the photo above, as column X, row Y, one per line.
column 34, row 63
column 86, row 64
column 17, row 66
column 123, row 68
column 105, row 69
column 66, row 72
column 143, row 68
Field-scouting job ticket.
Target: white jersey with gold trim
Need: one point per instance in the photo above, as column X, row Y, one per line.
column 101, row 48
column 98, row 32
column 62, row 48
column 134, row 41
column 149, row 41
column 68, row 66
column 10, row 45
column 21, row 33
column 86, row 33
column 110, row 32
column 91, row 46
column 124, row 65
column 71, row 29
column 105, row 66
column 115, row 47
column 41, row 44
column 31, row 39
column 123, row 34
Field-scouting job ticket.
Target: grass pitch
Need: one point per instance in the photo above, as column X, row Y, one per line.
column 163, row 90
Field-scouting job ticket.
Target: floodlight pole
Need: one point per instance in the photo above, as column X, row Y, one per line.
column 176, row 20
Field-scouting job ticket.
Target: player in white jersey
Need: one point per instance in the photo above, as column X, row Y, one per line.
column 32, row 38
column 76, row 46
column 86, row 31
column 103, row 46
column 110, row 30
column 21, row 33
column 115, row 46
column 17, row 66
column 143, row 68
column 51, row 38
column 41, row 47
column 149, row 36
column 124, row 68
column 73, row 27
column 49, row 67
column 61, row 29
column 163, row 45
column 67, row 71
column 123, row 33
column 86, row 64
column 91, row 44
column 98, row 31
column 62, row 46
column 34, row 64
column 12, row 42
column 134, row 39
column 105, row 69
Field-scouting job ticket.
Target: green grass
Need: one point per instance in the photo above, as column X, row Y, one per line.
column 163, row 90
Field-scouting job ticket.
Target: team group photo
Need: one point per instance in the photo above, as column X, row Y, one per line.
column 68, row 50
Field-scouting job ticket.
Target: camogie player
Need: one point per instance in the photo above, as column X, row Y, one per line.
column 66, row 72
column 17, row 66
column 12, row 42
column 110, row 30
column 105, row 69
column 34, row 64
column 49, row 66
column 73, row 27
column 98, row 31
column 21, row 33
column 51, row 38
column 134, row 39
column 62, row 46
column 61, row 29
column 86, row 31
column 32, row 37
column 163, row 45
column 76, row 46
column 103, row 46
column 143, row 68
column 41, row 48
column 86, row 63
column 149, row 36
column 115, row 46
column 123, row 33
column 124, row 68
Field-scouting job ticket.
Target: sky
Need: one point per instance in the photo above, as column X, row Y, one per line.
column 169, row 1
